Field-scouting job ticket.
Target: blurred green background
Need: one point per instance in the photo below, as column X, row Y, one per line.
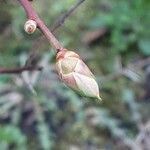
column 37, row 112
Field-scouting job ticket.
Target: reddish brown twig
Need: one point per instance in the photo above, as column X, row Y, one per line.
column 31, row 14
column 19, row 70
column 58, row 23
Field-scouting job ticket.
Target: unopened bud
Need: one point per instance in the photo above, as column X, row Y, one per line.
column 30, row 26
column 75, row 74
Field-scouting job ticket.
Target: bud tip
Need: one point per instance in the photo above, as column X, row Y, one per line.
column 99, row 98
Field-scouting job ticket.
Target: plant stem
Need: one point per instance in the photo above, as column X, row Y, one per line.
column 31, row 14
column 19, row 70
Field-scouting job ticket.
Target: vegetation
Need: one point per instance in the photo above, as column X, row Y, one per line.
column 38, row 112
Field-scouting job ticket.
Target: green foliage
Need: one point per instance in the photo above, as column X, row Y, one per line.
column 12, row 135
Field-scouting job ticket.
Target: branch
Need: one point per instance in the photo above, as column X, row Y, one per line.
column 19, row 70
column 62, row 19
column 58, row 23
column 31, row 14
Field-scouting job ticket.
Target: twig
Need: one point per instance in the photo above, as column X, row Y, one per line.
column 58, row 23
column 31, row 14
column 62, row 19
column 19, row 70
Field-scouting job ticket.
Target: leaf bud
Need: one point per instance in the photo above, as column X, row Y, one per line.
column 75, row 74
column 30, row 26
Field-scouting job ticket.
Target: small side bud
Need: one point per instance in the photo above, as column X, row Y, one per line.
column 30, row 26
